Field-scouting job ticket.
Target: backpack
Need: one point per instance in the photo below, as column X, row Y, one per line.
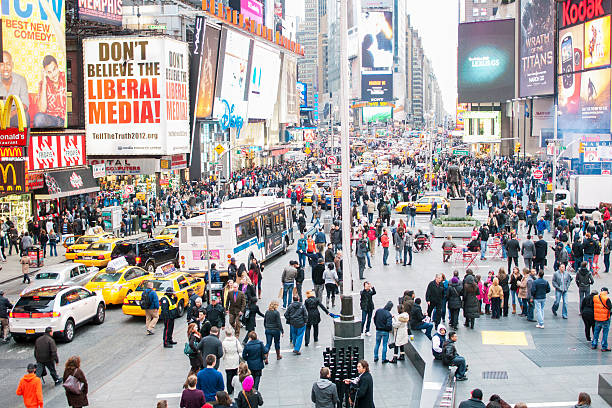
column 563, row 256
column 145, row 300
column 447, row 358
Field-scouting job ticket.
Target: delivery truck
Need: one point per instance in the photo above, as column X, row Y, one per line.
column 586, row 192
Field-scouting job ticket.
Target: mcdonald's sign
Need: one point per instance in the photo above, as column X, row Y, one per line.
column 13, row 136
column 12, row 177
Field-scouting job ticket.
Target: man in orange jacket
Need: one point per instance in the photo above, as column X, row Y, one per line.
column 30, row 388
column 602, row 306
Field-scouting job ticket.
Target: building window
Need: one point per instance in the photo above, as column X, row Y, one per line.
column 483, row 11
column 475, row 12
column 68, row 70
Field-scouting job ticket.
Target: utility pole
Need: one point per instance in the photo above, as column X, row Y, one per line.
column 554, row 166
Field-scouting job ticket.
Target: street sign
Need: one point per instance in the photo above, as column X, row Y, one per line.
column 605, row 172
column 459, row 152
column 538, row 174
column 129, row 189
column 219, row 149
column 307, row 150
column 331, row 160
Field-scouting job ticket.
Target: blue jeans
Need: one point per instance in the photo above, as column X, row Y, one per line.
column 558, row 297
column 384, row 336
column 272, row 335
column 539, row 305
column 407, row 255
column 459, row 362
column 302, row 259
column 425, row 326
column 483, row 249
column 514, row 297
column 366, row 319
column 385, row 255
column 604, row 327
column 287, row 293
column 368, row 258
column 411, row 220
column 52, row 249
column 297, row 334
column 398, row 255
column 589, row 260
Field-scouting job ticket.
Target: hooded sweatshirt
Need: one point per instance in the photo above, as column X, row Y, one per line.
column 30, row 388
column 437, row 341
column 324, row 393
column 383, row 320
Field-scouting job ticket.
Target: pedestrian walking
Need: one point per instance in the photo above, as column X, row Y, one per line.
column 331, row 285
column 25, row 268
column 324, row 393
column 361, row 252
column 209, row 379
column 149, row 301
column 195, row 357
column 254, row 353
column 232, row 353
column 587, row 312
column 601, row 313
column 312, row 305
column 191, row 396
column 53, row 241
column 5, row 308
column 288, row 282
column 384, row 241
column 74, row 377
column 45, row 353
column 211, row 345
column 584, row 280
column 383, row 321
column 273, row 328
column 30, row 388
column 528, row 252
column 296, row 316
column 539, row 290
column 236, row 305
column 408, row 244
column 366, row 303
column 168, row 306
column 249, row 397
column 224, row 400
column 249, row 317
column 561, row 282
column 434, row 298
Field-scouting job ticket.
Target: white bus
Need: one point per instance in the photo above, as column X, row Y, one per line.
column 243, row 228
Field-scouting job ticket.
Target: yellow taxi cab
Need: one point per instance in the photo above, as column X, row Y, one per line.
column 178, row 281
column 169, row 234
column 83, row 242
column 117, row 280
column 97, row 254
column 423, row 204
column 308, row 197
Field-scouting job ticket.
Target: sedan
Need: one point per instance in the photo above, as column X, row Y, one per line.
column 61, row 274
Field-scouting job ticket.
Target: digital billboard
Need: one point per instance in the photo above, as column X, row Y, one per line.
column 597, row 42
column 34, row 59
column 105, row 12
column 485, row 61
column 302, row 90
column 208, row 73
column 376, row 87
column 263, row 82
column 252, row 9
column 571, row 12
column 536, row 51
column 289, row 111
column 136, row 96
column 376, row 31
column 584, row 100
column 571, row 50
column 373, row 114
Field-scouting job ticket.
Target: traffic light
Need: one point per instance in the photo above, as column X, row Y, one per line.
column 517, row 148
column 581, row 148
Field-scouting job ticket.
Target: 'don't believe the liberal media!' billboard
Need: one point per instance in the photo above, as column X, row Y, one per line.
column 136, row 96
column 34, row 55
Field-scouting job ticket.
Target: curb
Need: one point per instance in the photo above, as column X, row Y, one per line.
column 20, row 276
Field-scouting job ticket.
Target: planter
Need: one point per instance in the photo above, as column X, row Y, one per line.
column 455, row 232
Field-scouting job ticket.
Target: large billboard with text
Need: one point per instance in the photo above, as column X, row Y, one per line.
column 376, row 33
column 136, row 96
column 584, row 100
column 34, row 57
column 376, row 87
column 105, row 12
column 263, row 82
column 208, row 72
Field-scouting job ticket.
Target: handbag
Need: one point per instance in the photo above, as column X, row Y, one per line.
column 240, row 359
column 246, row 398
column 73, row 385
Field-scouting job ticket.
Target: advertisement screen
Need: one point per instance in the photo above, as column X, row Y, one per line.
column 584, row 102
column 376, row 87
column 52, row 151
column 34, row 55
column 571, row 46
column 263, row 83
column 482, row 126
column 597, row 42
column 105, row 12
column 486, row 61
column 289, row 99
column 459, row 122
column 376, row 40
column 208, row 73
column 536, row 68
column 252, row 9
column 233, row 80
column 302, row 90
column 136, row 96
column 376, row 114
column 571, row 12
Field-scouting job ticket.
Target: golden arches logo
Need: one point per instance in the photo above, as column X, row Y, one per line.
column 5, row 113
column 14, row 186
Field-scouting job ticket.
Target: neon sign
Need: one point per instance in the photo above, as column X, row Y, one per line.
column 229, row 119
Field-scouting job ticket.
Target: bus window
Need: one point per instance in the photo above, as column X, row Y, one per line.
column 197, row 231
column 183, row 235
column 252, row 227
column 241, row 233
column 269, row 229
column 282, row 224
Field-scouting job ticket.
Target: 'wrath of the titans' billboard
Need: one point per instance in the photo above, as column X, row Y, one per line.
column 536, row 52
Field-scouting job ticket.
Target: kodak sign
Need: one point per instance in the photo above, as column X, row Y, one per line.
column 578, row 11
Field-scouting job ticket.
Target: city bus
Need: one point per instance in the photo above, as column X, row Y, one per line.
column 242, row 228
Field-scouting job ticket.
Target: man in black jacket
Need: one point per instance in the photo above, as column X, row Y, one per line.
column 416, row 319
column 216, row 313
column 317, row 278
column 296, row 316
column 450, row 357
column 541, row 249
column 364, row 397
column 45, row 353
column 168, row 304
column 512, row 250
column 577, row 252
column 5, row 307
column 475, row 401
column 434, row 298
column 367, row 306
column 383, row 321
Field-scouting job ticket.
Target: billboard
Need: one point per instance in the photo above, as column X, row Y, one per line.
column 482, row 127
column 376, row 87
column 288, row 98
column 376, row 32
column 263, row 83
column 485, row 61
column 34, row 57
column 53, row 151
column 459, row 118
column 105, row 12
column 302, row 90
column 136, row 96
column 377, row 114
column 571, row 12
column 252, row 9
column 208, row 73
column 377, row 4
column 536, row 51
column 597, row 42
column 584, row 101
column 12, row 177
column 571, row 51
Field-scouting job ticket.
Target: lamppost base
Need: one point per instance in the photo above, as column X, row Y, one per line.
column 347, row 330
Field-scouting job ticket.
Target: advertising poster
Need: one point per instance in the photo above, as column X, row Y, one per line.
column 122, row 167
column 105, row 12
column 586, row 103
column 461, row 109
column 571, row 46
column 376, row 40
column 597, row 42
column 252, row 9
column 302, row 90
column 376, row 87
column 485, row 61
column 136, row 96
column 482, row 126
column 53, row 151
column 377, row 114
column 263, row 84
column 34, row 55
column 536, row 68
column 208, row 73
column 379, row 4
column 12, row 177
column 289, row 98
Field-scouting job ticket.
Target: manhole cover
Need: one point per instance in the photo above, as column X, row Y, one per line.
column 494, row 375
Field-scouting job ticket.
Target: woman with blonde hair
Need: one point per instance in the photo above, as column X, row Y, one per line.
column 232, row 350
column 73, row 368
column 273, row 327
column 243, row 372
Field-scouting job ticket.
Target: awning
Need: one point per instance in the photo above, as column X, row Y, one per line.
column 67, row 183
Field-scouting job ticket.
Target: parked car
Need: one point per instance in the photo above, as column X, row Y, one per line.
column 61, row 274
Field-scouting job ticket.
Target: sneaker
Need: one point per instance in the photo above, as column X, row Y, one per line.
column 605, row 349
column 59, row 381
column 593, row 347
column 464, row 378
column 376, row 359
column 149, row 332
column 554, row 312
column 538, row 326
column 368, row 334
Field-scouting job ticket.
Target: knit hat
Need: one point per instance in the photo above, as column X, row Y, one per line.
column 455, row 280
column 247, row 384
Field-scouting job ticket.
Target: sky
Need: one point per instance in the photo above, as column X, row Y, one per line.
column 439, row 36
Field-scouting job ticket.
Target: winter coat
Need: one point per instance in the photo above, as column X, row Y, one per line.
column 416, row 316
column 522, row 288
column 383, row 320
column 45, row 350
column 587, row 307
column 232, row 350
column 364, row 398
column 272, row 321
column 254, row 399
column 253, row 354
column 75, row 400
column 584, row 279
column 495, row 291
column 400, row 328
column 365, row 302
column 324, row 394
column 30, row 388
column 296, row 315
column 471, row 307
column 312, row 305
column 455, row 290
column 435, row 293
column 540, row 288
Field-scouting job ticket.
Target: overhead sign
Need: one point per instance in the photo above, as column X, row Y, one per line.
column 572, row 12
column 105, row 12
column 460, row 152
column 12, row 177
column 98, row 170
column 123, row 167
column 332, row 160
column 53, row 151
column 136, row 96
column 11, row 153
column 252, row 9
column 13, row 128
column 537, row 174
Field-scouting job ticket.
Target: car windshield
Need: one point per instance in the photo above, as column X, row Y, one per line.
column 29, row 304
column 86, row 240
column 158, row 285
column 123, row 249
column 99, row 246
column 169, row 231
column 104, row 276
column 46, row 276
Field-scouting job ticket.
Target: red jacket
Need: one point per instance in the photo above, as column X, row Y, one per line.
column 30, row 388
column 384, row 240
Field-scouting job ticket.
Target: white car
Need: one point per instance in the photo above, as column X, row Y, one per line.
column 61, row 274
column 62, row 308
